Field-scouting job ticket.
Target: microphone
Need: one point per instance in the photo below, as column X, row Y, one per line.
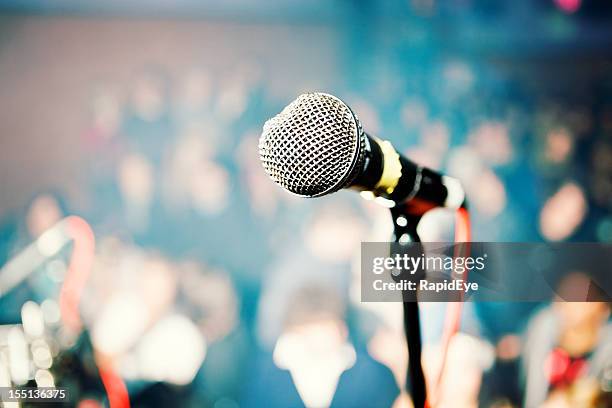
column 316, row 146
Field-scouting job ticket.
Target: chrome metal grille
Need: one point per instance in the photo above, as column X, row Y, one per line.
column 314, row 146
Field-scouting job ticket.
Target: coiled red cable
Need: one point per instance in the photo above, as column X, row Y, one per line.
column 79, row 269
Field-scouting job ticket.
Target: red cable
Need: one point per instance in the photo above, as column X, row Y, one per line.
column 116, row 389
column 79, row 269
column 463, row 233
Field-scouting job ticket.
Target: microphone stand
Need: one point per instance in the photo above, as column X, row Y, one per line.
column 405, row 225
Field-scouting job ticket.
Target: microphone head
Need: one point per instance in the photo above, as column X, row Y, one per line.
column 315, row 146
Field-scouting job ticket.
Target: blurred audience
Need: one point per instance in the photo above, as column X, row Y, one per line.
column 213, row 287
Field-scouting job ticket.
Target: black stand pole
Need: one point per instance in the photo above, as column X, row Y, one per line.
column 405, row 231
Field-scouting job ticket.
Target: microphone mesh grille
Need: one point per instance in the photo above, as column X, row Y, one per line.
column 313, row 146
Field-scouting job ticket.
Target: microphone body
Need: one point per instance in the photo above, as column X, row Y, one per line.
column 390, row 175
column 317, row 146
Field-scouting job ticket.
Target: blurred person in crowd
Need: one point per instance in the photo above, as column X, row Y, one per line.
column 103, row 147
column 135, row 323
column 316, row 251
column 466, row 360
column 193, row 96
column 314, row 363
column 101, row 136
column 209, row 297
column 43, row 213
column 502, row 323
column 136, row 181
column 567, row 356
column 128, row 295
column 148, row 124
column 17, row 231
column 194, row 178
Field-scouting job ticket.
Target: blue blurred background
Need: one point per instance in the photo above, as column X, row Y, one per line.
column 143, row 118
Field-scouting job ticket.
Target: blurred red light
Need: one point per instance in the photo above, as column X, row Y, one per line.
column 568, row 6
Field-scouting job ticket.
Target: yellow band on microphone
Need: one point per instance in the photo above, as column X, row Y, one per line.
column 392, row 168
